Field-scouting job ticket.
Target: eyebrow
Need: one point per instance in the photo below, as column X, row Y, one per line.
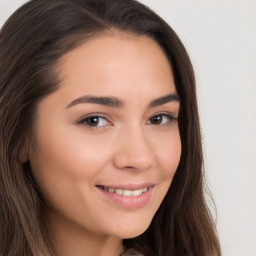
column 117, row 103
column 106, row 101
column 165, row 99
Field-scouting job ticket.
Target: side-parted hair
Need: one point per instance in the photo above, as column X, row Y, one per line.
column 31, row 42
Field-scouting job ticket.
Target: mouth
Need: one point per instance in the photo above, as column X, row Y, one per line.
column 133, row 196
column 125, row 192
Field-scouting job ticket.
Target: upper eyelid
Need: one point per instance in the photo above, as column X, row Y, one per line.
column 164, row 113
column 104, row 115
column 94, row 115
column 168, row 115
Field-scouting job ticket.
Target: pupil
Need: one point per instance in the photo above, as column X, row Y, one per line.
column 157, row 119
column 93, row 121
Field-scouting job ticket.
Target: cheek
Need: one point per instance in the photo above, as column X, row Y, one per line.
column 65, row 166
column 168, row 157
column 73, row 155
column 168, row 152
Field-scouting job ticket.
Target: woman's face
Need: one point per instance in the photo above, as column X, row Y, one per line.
column 107, row 142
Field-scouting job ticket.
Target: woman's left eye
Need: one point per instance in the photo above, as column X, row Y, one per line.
column 161, row 119
column 95, row 121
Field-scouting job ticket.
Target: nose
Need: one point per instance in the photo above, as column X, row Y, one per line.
column 133, row 151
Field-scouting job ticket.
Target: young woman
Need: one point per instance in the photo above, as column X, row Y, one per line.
column 99, row 141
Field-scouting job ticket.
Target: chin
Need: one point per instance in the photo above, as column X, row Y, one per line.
column 132, row 230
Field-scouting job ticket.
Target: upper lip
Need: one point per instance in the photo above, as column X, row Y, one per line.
column 129, row 186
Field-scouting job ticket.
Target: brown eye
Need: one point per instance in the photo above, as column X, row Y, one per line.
column 156, row 119
column 95, row 122
column 161, row 119
column 92, row 121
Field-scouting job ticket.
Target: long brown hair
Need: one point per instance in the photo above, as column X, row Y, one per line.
column 31, row 42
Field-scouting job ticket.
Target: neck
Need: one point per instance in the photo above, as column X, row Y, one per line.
column 68, row 238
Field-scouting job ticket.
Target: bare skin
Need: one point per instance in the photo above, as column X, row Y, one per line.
column 121, row 133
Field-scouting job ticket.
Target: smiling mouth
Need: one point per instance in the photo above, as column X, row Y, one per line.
column 124, row 192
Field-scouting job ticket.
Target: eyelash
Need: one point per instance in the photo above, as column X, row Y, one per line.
column 85, row 119
column 98, row 116
column 169, row 116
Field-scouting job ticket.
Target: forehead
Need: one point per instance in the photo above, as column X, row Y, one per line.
column 116, row 64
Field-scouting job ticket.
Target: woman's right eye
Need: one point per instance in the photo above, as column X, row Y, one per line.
column 94, row 121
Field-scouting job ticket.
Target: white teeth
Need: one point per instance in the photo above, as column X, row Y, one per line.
column 125, row 192
column 137, row 192
column 144, row 190
column 111, row 190
column 119, row 191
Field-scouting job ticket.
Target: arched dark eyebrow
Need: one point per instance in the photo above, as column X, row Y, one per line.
column 117, row 103
column 106, row 101
column 163, row 100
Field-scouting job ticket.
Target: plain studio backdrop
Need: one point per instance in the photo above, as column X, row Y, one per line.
column 220, row 37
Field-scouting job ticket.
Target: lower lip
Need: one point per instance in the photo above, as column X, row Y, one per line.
column 131, row 202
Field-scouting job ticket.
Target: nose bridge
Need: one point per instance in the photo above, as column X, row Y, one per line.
column 133, row 149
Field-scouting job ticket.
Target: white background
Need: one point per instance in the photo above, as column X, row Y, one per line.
column 220, row 37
